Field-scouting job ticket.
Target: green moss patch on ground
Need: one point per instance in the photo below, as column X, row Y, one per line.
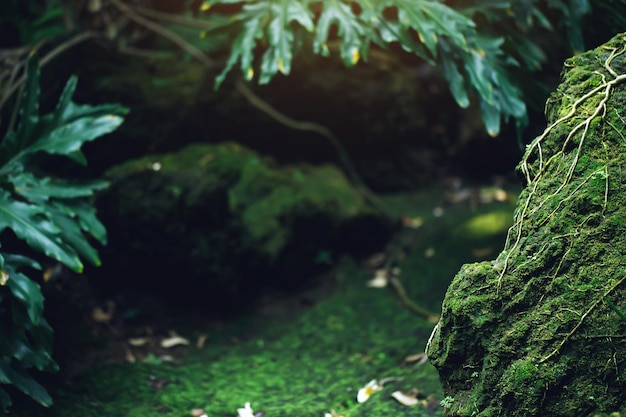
column 304, row 366
column 303, row 360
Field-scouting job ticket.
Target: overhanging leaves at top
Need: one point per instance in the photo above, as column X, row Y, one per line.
column 62, row 132
column 476, row 60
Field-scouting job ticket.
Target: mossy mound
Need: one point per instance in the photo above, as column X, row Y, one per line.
column 533, row 333
column 224, row 222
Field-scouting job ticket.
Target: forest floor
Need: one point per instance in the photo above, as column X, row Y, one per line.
column 305, row 354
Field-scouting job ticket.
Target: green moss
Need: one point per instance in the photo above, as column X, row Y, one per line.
column 305, row 361
column 493, row 223
column 223, row 160
column 303, row 366
column 531, row 322
column 268, row 196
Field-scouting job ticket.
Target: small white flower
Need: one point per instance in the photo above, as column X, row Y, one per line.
column 366, row 392
column 380, row 280
column 246, row 411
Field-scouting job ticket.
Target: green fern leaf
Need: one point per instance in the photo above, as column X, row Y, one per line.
column 349, row 28
column 31, row 223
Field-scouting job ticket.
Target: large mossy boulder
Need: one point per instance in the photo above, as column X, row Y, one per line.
column 215, row 223
column 540, row 330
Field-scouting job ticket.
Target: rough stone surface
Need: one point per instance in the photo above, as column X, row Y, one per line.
column 218, row 222
column 534, row 333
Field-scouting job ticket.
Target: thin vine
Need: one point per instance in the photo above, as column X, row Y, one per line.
column 535, row 149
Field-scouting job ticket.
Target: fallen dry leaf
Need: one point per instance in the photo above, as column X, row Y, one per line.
column 138, row 341
column 103, row 315
column 168, row 358
column 482, row 252
column 173, row 341
column 201, row 341
column 128, row 355
column 412, row 222
column 404, row 398
column 375, row 260
column 420, row 358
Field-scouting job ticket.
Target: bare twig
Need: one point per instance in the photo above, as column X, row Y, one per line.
column 283, row 119
column 172, row 18
column 401, row 291
column 164, row 32
column 582, row 319
column 71, row 42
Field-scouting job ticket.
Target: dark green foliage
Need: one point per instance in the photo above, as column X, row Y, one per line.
column 53, row 216
column 29, row 22
column 479, row 46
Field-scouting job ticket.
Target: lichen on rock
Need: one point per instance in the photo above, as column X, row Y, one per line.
column 533, row 333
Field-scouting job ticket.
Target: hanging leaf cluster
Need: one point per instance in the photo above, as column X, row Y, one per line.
column 476, row 59
column 53, row 216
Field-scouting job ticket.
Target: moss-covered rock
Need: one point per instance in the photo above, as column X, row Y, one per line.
column 223, row 222
column 533, row 333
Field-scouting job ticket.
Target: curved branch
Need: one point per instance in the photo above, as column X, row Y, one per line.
column 73, row 41
column 164, row 32
column 285, row 120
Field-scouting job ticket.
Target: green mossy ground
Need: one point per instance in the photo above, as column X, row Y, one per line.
column 530, row 334
column 307, row 360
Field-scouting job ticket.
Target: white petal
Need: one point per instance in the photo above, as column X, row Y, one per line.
column 365, row 393
column 246, row 411
column 377, row 282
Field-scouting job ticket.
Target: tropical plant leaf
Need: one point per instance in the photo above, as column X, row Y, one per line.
column 456, row 81
column 24, row 382
column 53, row 216
column 85, row 213
column 29, row 293
column 5, row 400
column 491, row 117
column 31, row 222
column 279, row 54
column 43, row 189
column 68, row 138
column 72, row 234
column 349, row 28
column 62, row 132
column 470, row 61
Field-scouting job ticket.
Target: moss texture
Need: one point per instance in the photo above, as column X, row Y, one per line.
column 227, row 221
column 531, row 333
column 295, row 358
column 303, row 363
